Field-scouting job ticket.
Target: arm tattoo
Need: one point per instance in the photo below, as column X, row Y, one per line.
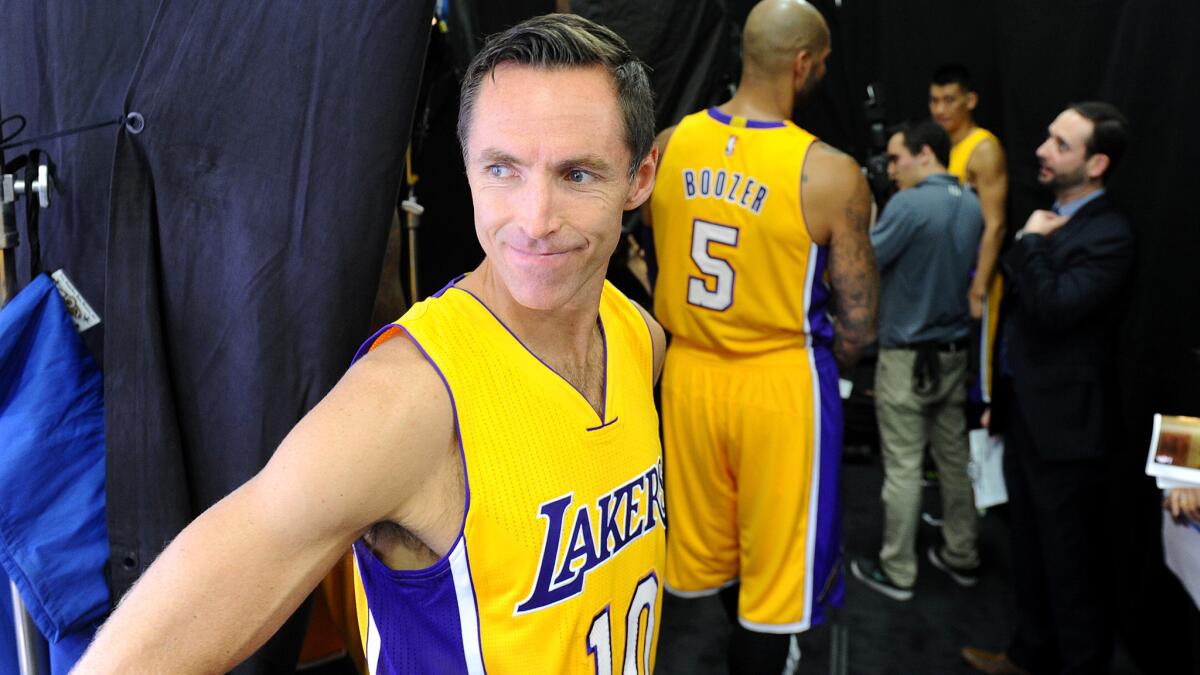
column 855, row 278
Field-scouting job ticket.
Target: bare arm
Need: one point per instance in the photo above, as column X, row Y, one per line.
column 988, row 172
column 232, row 577
column 837, row 210
column 660, row 142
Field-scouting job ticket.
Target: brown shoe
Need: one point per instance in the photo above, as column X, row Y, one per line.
column 996, row 663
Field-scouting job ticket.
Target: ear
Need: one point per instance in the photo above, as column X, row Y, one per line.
column 643, row 180
column 972, row 101
column 1097, row 165
column 801, row 63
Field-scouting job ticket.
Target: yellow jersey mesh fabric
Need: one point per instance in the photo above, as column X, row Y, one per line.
column 557, row 568
column 738, row 271
column 960, row 154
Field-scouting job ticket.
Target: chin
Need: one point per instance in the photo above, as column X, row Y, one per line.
column 541, row 292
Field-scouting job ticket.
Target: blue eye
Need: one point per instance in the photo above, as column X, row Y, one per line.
column 499, row 171
column 578, row 176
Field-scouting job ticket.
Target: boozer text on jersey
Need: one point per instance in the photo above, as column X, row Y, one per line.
column 745, row 191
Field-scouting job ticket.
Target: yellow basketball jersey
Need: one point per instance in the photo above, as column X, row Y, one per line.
column 960, row 154
column 558, row 566
column 737, row 269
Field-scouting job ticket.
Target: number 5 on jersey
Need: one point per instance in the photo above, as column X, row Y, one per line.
column 717, row 269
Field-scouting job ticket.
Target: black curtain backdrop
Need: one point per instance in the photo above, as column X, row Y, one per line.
column 231, row 237
column 1030, row 59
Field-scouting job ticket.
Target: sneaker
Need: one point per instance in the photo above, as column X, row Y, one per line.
column 962, row 577
column 874, row 577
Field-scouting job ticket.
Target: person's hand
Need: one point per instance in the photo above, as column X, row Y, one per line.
column 975, row 300
column 1183, row 503
column 986, row 418
column 1044, row 222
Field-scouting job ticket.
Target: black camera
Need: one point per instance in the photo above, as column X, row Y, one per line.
column 876, row 115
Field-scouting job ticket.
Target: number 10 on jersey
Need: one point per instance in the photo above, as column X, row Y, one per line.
column 599, row 643
column 715, row 268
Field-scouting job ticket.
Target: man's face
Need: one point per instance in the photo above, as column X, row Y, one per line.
column 950, row 106
column 549, row 175
column 812, row 79
column 1063, row 155
column 902, row 164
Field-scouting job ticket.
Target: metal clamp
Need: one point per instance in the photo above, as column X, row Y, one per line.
column 41, row 186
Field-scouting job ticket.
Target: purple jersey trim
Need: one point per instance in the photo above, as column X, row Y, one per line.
column 750, row 124
column 448, row 286
column 443, row 563
column 431, row 589
column 828, row 582
column 604, row 341
column 819, row 325
column 608, row 423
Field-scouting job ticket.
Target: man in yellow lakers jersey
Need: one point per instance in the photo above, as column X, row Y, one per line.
column 977, row 159
column 493, row 457
column 757, row 228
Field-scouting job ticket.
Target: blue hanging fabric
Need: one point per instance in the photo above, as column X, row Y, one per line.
column 53, row 536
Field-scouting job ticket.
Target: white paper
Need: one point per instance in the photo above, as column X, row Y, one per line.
column 987, row 468
column 81, row 312
column 1177, row 459
column 845, row 387
column 1181, row 549
column 1168, row 483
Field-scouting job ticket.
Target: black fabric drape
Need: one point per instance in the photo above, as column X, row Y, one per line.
column 230, row 236
column 247, row 229
column 64, row 65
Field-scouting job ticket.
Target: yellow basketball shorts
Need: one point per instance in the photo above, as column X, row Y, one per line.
column 752, row 455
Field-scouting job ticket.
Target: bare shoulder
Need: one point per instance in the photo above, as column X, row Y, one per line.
column 987, row 160
column 658, row 339
column 383, row 431
column 833, row 192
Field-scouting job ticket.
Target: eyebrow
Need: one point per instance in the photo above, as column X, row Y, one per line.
column 1057, row 138
column 593, row 163
column 493, row 155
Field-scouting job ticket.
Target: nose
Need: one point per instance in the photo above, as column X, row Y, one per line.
column 538, row 219
column 1043, row 151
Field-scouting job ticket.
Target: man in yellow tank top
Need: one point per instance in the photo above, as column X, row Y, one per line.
column 757, row 226
column 493, row 457
column 977, row 158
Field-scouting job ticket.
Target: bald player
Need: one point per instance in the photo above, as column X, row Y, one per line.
column 977, row 159
column 760, row 229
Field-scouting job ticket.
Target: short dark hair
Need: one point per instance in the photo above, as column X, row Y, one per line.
column 1110, row 130
column 559, row 41
column 916, row 135
column 953, row 73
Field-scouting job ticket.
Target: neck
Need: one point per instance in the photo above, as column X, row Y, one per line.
column 562, row 336
column 759, row 99
column 962, row 132
column 1071, row 194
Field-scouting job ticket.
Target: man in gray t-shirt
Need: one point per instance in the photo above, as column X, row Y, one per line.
column 926, row 242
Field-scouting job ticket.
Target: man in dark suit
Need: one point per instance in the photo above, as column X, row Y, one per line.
column 1055, row 400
